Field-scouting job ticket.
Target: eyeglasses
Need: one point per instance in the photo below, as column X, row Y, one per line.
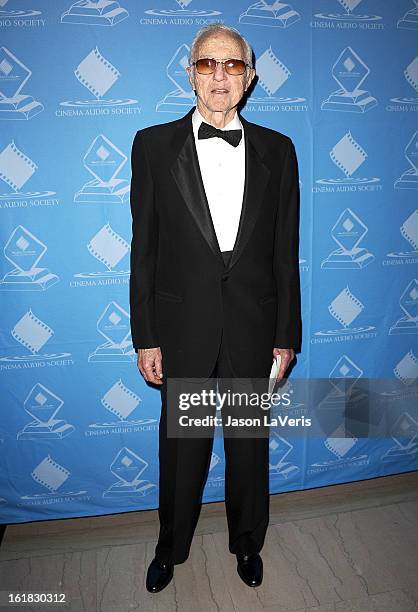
column 208, row 65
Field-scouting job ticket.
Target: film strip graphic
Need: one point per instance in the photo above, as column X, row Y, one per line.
column 120, row 400
column 50, row 474
column 108, row 247
column 96, row 73
column 348, row 150
column 15, row 167
column 31, row 332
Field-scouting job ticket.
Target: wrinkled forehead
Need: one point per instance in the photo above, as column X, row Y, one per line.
column 221, row 46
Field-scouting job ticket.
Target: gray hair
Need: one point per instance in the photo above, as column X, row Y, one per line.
column 219, row 28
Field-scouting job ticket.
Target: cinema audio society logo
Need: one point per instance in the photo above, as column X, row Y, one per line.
column 409, row 179
column 114, row 325
column 128, row 468
column 275, row 14
column 16, row 169
column 182, row 97
column 350, row 72
column 51, row 475
column 120, row 401
column 13, row 77
column 348, row 155
column 340, row 444
column 408, row 324
column 104, row 160
column 349, row 18
column 24, row 251
column 95, row 12
column 406, row 370
column 348, row 232
column 410, row 20
column 110, row 249
column 43, row 406
column 279, row 450
column 182, row 11
column 407, row 103
column 409, row 230
column 97, row 75
column 344, row 398
column 272, row 76
column 346, row 308
column 32, row 333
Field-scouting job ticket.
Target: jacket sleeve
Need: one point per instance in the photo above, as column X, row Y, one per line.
column 143, row 248
column 286, row 256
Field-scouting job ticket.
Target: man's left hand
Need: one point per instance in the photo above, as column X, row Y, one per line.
column 287, row 355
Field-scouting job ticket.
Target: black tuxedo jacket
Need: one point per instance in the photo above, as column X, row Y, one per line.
column 181, row 294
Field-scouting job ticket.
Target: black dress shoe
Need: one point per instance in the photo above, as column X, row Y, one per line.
column 250, row 569
column 159, row 575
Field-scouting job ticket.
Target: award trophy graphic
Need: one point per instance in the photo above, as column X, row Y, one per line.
column 272, row 74
column 98, row 75
column 43, row 406
column 13, row 77
column 109, row 248
column 409, row 179
column 183, row 11
column 104, row 161
column 348, row 156
column 33, row 334
column 276, row 14
column 408, row 302
column 182, row 98
column 216, row 472
column 349, row 6
column 279, row 449
column 24, row 251
column 341, row 402
column 348, row 232
column 409, row 230
column 6, row 13
column 350, row 72
column 410, row 20
column 411, row 75
column 128, row 468
column 114, row 325
column 16, row 169
column 405, row 435
column 95, row 12
column 345, row 308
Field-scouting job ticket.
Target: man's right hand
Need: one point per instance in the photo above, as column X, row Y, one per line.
column 150, row 364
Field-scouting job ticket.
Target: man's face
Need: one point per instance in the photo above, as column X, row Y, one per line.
column 220, row 91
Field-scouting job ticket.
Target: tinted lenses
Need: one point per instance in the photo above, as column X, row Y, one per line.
column 207, row 65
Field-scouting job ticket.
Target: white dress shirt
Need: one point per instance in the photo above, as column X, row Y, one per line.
column 223, row 173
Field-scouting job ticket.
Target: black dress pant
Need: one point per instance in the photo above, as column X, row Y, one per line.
column 184, row 466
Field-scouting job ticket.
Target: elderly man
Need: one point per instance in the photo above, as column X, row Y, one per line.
column 214, row 287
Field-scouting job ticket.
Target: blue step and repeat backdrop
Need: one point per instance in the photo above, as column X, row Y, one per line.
column 78, row 425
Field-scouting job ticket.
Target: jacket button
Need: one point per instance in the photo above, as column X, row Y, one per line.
column 225, row 277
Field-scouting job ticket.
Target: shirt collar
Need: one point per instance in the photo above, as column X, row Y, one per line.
column 234, row 124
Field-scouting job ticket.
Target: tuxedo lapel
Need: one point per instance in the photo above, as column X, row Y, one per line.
column 188, row 177
column 256, row 178
column 186, row 172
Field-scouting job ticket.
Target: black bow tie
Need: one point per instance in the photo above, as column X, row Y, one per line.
column 233, row 137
